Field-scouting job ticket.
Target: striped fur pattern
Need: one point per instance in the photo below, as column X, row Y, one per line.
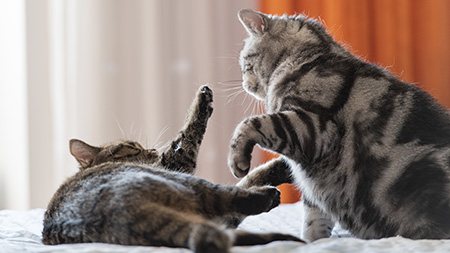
column 367, row 150
column 125, row 194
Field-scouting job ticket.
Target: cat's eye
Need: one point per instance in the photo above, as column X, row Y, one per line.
column 134, row 145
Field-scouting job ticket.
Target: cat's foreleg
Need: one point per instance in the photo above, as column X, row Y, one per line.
column 287, row 133
column 274, row 173
column 316, row 224
column 181, row 153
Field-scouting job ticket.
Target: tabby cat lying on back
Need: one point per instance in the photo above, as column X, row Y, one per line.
column 125, row 194
column 367, row 150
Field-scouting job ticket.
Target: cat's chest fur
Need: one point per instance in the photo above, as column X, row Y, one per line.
column 325, row 190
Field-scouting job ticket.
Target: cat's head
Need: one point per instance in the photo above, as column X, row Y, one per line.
column 273, row 44
column 121, row 151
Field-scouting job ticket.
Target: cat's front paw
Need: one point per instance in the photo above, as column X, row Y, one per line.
column 239, row 164
column 205, row 99
column 241, row 147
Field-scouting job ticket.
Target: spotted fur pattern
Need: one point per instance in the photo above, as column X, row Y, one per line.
column 125, row 194
column 367, row 150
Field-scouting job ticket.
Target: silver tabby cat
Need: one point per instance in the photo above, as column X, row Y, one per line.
column 366, row 149
column 125, row 194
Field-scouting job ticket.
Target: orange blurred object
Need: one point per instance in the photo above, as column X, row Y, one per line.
column 289, row 193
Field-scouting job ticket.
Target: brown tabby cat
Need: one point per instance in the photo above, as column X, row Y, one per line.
column 125, row 194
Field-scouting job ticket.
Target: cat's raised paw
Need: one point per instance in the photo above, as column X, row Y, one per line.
column 205, row 97
column 206, row 94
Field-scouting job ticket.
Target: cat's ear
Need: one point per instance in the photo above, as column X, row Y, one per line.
column 254, row 22
column 83, row 152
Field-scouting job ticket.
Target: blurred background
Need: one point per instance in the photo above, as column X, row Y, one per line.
column 102, row 70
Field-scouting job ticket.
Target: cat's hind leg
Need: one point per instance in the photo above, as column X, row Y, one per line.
column 221, row 200
column 181, row 153
column 157, row 225
column 316, row 224
column 274, row 173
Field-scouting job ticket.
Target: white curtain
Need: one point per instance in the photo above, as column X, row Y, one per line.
column 102, row 70
column 14, row 187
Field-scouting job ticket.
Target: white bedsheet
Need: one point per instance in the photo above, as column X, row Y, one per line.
column 20, row 231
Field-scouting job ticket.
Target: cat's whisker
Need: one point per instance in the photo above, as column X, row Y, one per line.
column 234, row 95
column 230, row 81
column 140, row 135
column 262, row 107
column 132, row 128
column 226, row 57
column 255, row 110
column 252, row 104
column 245, row 98
column 227, row 87
column 119, row 126
column 161, row 133
column 231, row 90
column 249, row 103
column 234, row 56
column 227, row 84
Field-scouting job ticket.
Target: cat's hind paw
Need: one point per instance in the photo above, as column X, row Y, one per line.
column 273, row 196
column 206, row 239
column 260, row 199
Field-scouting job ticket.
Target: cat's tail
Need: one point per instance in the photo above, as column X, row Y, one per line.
column 211, row 238
column 243, row 238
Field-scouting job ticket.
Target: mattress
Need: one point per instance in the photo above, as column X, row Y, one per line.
column 20, row 231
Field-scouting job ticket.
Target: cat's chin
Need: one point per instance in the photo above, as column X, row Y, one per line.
column 254, row 94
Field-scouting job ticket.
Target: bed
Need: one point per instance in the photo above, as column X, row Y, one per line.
column 20, row 231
